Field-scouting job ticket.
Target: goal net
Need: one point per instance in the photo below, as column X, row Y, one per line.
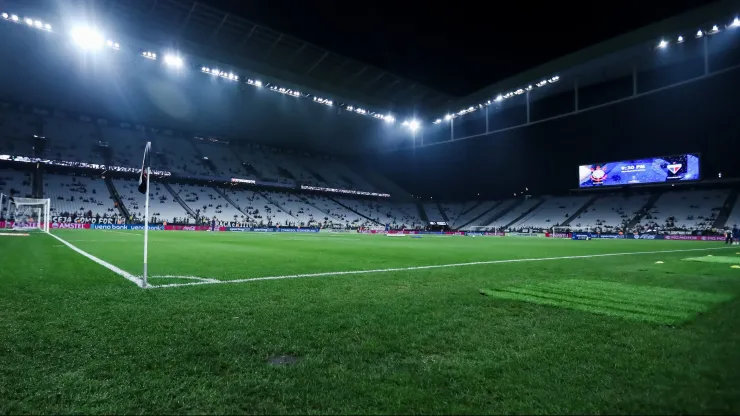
column 27, row 214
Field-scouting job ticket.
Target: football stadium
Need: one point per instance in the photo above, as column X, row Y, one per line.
column 240, row 221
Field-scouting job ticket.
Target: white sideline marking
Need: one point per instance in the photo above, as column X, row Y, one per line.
column 114, row 269
column 121, row 232
column 437, row 266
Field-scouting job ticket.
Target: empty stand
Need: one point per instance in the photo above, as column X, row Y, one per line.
column 162, row 205
column 78, row 196
column 16, row 132
column 610, row 212
column 552, row 212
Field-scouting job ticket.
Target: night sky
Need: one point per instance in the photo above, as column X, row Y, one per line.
column 455, row 49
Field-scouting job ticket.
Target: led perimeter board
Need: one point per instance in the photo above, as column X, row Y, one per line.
column 663, row 169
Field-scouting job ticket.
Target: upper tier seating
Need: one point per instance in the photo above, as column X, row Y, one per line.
column 127, row 145
column 74, row 141
column 16, row 183
column 179, row 155
column 16, row 133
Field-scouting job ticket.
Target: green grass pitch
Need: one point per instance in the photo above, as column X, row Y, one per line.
column 448, row 325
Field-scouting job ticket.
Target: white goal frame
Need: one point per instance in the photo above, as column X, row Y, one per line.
column 41, row 207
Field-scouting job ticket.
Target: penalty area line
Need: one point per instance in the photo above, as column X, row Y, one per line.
column 126, row 275
column 211, row 281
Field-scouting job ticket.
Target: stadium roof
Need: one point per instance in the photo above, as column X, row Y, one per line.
column 622, row 50
column 214, row 34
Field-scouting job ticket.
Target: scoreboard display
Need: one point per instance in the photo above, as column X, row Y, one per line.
column 640, row 171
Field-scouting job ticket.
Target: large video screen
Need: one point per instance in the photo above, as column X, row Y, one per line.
column 640, row 171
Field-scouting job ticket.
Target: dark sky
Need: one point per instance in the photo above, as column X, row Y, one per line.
column 455, row 47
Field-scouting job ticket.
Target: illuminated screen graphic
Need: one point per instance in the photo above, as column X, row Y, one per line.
column 640, row 171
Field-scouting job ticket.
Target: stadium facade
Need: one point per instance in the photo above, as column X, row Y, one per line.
column 233, row 143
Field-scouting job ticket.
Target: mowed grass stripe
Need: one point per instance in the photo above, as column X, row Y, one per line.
column 639, row 295
column 671, row 315
column 567, row 304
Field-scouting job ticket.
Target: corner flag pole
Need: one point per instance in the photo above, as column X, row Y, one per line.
column 146, row 170
column 146, row 224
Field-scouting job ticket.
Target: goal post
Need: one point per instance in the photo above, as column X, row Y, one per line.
column 28, row 214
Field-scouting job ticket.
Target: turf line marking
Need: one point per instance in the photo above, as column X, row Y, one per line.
column 435, row 266
column 126, row 275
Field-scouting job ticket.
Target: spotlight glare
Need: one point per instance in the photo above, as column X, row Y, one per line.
column 680, row 39
column 735, row 23
column 14, row 18
column 662, row 44
column 699, row 34
column 173, row 60
column 47, row 27
column 29, row 22
column 5, row 16
column 87, row 38
column 38, row 24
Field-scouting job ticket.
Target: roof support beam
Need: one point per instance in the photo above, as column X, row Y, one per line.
column 320, row 60
column 218, row 29
column 266, row 54
column 187, row 20
column 243, row 43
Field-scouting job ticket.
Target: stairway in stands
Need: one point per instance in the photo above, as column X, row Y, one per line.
column 486, row 212
column 644, row 210
column 230, row 201
column 443, row 213
column 724, row 212
column 422, row 212
column 580, row 211
column 358, row 213
column 116, row 198
column 525, row 213
column 180, row 200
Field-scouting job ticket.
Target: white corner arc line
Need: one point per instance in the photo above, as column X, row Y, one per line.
column 434, row 266
column 126, row 275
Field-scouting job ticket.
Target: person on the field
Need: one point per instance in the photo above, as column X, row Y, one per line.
column 735, row 234
column 728, row 236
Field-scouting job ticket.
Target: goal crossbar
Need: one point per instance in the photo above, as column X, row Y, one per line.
column 40, row 210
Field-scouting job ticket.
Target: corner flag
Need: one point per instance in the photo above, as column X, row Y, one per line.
column 144, row 189
column 144, row 175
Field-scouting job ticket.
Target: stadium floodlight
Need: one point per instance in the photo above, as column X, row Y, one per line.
column 437, row 121
column 699, row 34
column 663, row 44
column 6, row 16
column 412, row 125
column 14, row 17
column 38, row 24
column 173, row 61
column 149, row 55
column 448, row 117
column 87, row 38
column 47, row 27
column 714, row 30
column 389, row 119
column 735, row 23
column 28, row 21
column 680, row 39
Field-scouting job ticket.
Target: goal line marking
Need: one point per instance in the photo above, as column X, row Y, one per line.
column 126, row 275
column 212, row 281
column 412, row 268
